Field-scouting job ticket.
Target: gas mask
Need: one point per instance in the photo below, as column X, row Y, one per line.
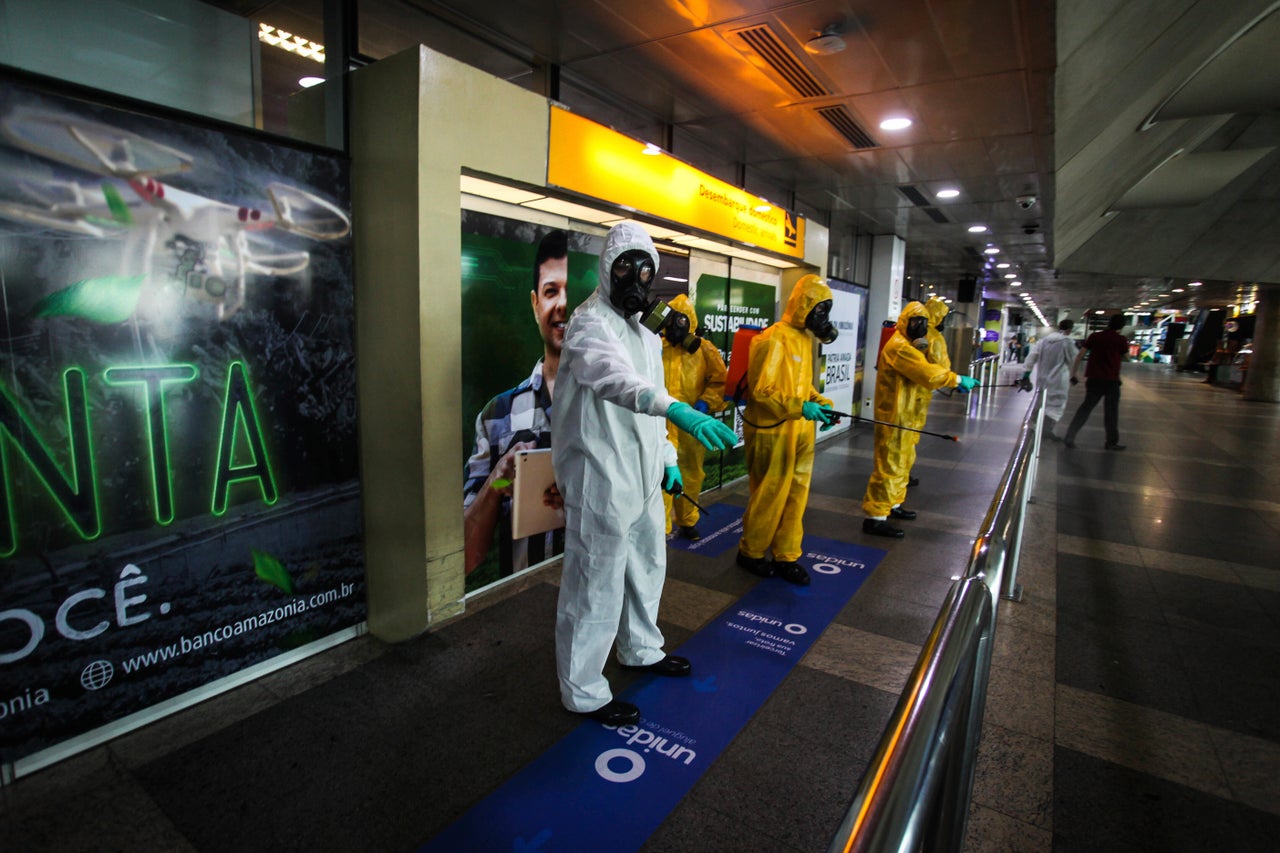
column 661, row 319
column 819, row 322
column 630, row 278
column 942, row 322
column 918, row 333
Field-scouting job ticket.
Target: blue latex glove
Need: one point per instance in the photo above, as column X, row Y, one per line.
column 966, row 384
column 702, row 406
column 816, row 412
column 672, row 483
column 712, row 434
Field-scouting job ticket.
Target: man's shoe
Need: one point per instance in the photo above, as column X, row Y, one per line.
column 913, row 481
column 756, row 565
column 1115, row 447
column 902, row 514
column 690, row 532
column 791, row 572
column 1066, row 442
column 616, row 713
column 880, row 527
column 671, row 665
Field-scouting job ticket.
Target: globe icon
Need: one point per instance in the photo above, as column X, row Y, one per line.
column 97, row 675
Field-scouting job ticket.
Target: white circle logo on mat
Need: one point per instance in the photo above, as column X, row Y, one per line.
column 634, row 772
column 795, row 628
column 826, row 569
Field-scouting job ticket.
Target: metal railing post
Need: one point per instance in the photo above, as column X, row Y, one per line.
column 916, row 791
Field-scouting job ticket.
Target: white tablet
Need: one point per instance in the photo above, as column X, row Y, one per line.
column 529, row 516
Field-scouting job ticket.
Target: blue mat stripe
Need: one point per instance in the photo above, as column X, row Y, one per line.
column 608, row 789
column 721, row 528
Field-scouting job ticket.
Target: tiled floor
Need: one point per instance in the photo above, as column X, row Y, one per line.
column 1165, row 685
column 1132, row 700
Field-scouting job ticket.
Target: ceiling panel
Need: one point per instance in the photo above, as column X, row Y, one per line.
column 934, row 162
column 1010, row 98
column 979, row 39
column 905, row 37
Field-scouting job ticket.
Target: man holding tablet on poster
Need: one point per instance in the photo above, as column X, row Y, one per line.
column 515, row 420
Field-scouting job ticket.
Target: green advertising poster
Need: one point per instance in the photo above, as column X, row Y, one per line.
column 724, row 303
column 514, row 310
column 179, row 479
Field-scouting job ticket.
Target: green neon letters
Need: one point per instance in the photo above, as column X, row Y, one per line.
column 152, row 380
column 237, row 408
column 76, row 496
column 76, row 493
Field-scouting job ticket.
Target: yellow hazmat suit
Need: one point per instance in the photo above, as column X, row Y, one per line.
column 691, row 377
column 780, row 460
column 937, row 311
column 904, row 381
column 937, row 354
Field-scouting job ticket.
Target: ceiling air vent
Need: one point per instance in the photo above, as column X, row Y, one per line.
column 917, row 198
column 783, row 62
column 914, row 196
column 839, row 118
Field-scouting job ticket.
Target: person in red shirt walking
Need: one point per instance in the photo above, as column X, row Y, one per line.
column 1101, row 381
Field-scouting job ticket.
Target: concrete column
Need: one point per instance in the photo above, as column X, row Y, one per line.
column 884, row 302
column 1262, row 382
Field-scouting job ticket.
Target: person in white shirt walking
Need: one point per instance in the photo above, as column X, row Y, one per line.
column 1052, row 358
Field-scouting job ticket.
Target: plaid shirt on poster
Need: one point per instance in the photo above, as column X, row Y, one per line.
column 520, row 414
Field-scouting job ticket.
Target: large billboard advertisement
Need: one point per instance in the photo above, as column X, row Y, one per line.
column 520, row 281
column 179, row 497
column 841, row 363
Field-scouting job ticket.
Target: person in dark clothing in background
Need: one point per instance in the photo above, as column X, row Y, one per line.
column 1106, row 350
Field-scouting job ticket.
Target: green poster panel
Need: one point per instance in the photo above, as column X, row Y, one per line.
column 723, row 305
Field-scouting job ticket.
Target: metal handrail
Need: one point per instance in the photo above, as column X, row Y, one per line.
column 915, row 793
column 986, row 368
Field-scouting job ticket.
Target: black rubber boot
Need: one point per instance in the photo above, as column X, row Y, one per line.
column 756, row 565
column 880, row 527
column 791, row 572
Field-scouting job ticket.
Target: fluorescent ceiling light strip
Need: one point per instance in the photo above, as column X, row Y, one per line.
column 284, row 40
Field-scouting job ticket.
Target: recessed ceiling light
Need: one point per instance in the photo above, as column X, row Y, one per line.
column 1003, row 265
column 1011, row 275
column 1162, row 295
column 1099, row 311
column 1194, row 283
column 991, row 250
column 1179, row 290
column 308, row 82
column 895, row 123
column 948, row 193
column 977, row 229
column 1024, row 294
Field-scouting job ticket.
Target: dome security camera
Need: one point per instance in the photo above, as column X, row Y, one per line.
column 1026, row 201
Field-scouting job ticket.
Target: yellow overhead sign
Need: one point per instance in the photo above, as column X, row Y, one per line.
column 591, row 159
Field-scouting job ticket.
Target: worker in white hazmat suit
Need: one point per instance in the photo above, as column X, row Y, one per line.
column 612, row 461
column 1052, row 358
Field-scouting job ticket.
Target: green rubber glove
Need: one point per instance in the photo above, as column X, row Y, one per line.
column 672, row 482
column 711, row 433
column 816, row 412
column 966, row 384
